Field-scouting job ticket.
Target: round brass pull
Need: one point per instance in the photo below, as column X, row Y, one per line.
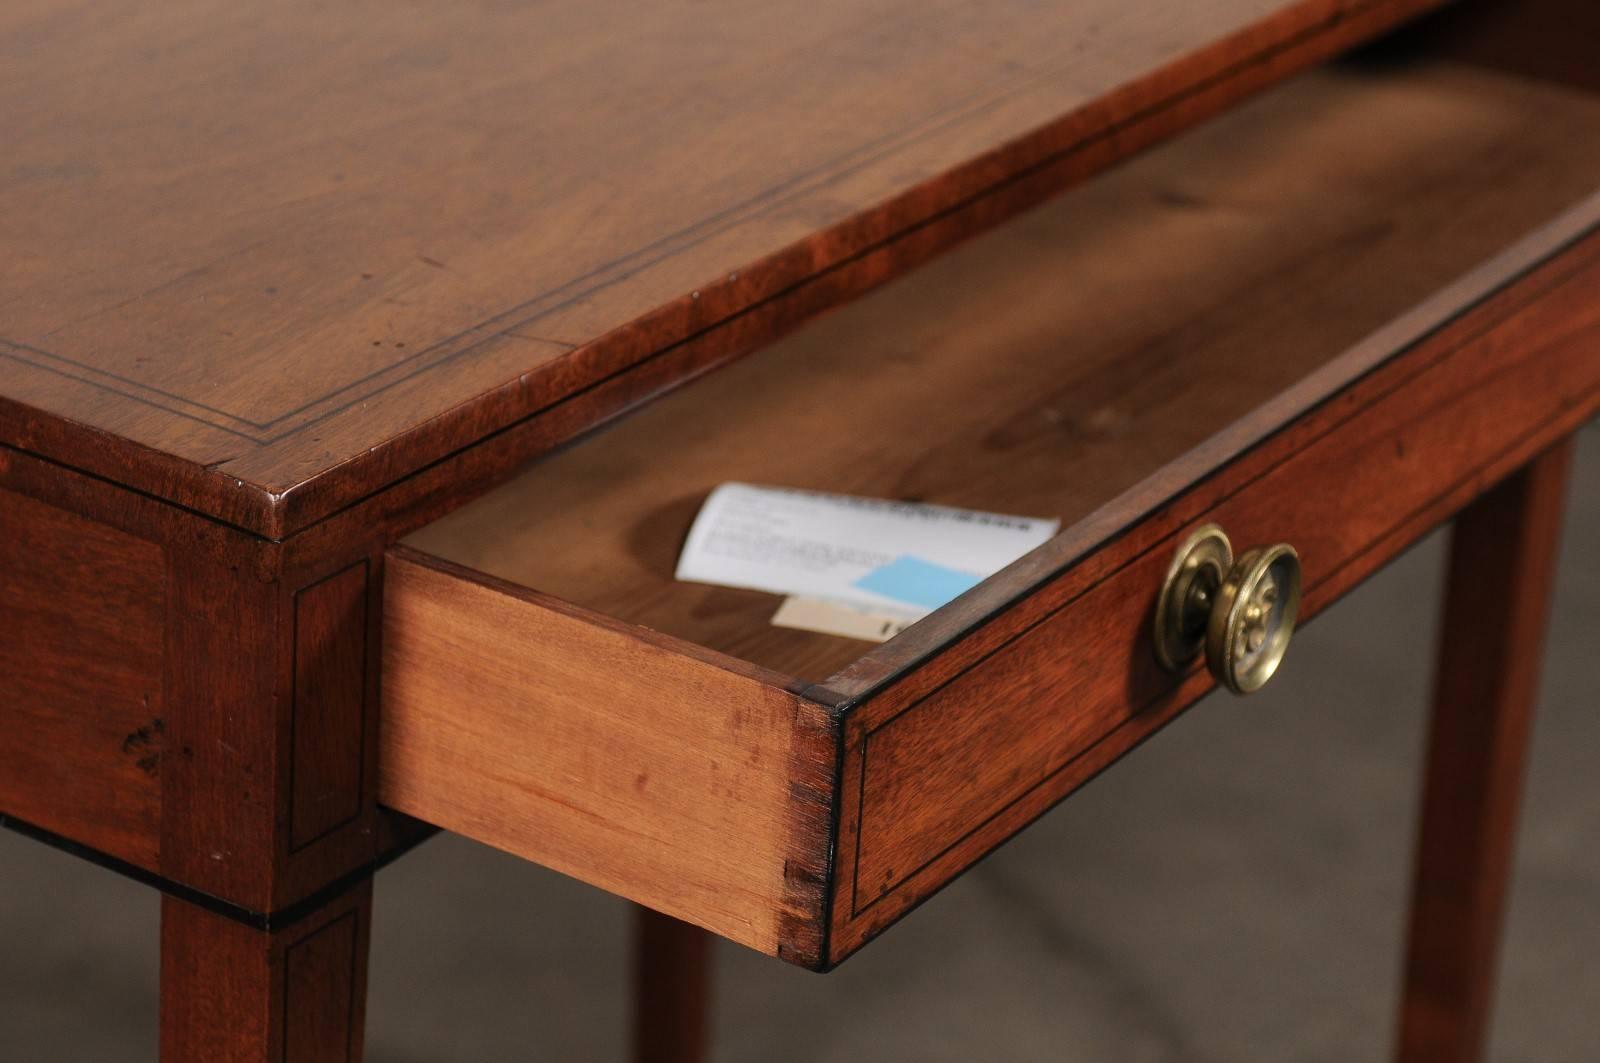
column 1241, row 612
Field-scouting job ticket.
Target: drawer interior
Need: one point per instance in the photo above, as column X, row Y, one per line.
column 1060, row 360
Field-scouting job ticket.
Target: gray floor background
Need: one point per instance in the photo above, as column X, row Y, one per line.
column 1232, row 892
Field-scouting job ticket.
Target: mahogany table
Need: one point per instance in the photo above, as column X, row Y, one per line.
column 311, row 541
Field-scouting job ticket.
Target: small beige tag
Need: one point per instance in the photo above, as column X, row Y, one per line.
column 833, row 618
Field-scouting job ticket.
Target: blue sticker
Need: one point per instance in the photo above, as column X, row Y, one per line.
column 917, row 582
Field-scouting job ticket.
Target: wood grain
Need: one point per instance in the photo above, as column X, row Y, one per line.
column 672, row 968
column 965, row 728
column 82, row 729
column 196, row 792
column 224, row 787
column 271, row 792
column 158, row 354
column 232, row 994
column 1502, row 570
column 1061, row 360
column 1029, row 702
column 329, row 711
column 628, row 760
column 953, row 750
column 263, row 263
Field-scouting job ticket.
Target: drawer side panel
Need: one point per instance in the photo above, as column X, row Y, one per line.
column 622, row 759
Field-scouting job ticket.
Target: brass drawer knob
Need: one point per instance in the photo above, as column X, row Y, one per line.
column 1241, row 612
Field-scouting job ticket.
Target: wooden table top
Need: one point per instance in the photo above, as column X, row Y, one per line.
column 266, row 260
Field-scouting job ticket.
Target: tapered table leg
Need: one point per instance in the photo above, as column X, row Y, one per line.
column 1502, row 566
column 672, row 982
column 231, row 993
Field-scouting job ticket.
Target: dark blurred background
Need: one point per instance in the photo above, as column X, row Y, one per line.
column 1234, row 891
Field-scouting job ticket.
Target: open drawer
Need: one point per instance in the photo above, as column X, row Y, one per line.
column 1330, row 318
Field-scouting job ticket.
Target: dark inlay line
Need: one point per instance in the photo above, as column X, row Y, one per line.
column 721, row 221
column 1330, row 577
column 658, row 250
column 285, row 916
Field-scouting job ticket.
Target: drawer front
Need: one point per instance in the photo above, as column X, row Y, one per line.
column 946, row 760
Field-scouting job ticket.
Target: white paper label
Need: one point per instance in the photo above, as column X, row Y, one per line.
column 838, row 618
column 903, row 557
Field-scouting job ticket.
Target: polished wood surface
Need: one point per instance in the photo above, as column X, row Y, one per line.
column 328, row 718
column 279, row 287
column 270, row 789
column 1049, row 366
column 632, row 761
column 265, row 261
column 1502, row 571
column 292, row 994
column 672, row 969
